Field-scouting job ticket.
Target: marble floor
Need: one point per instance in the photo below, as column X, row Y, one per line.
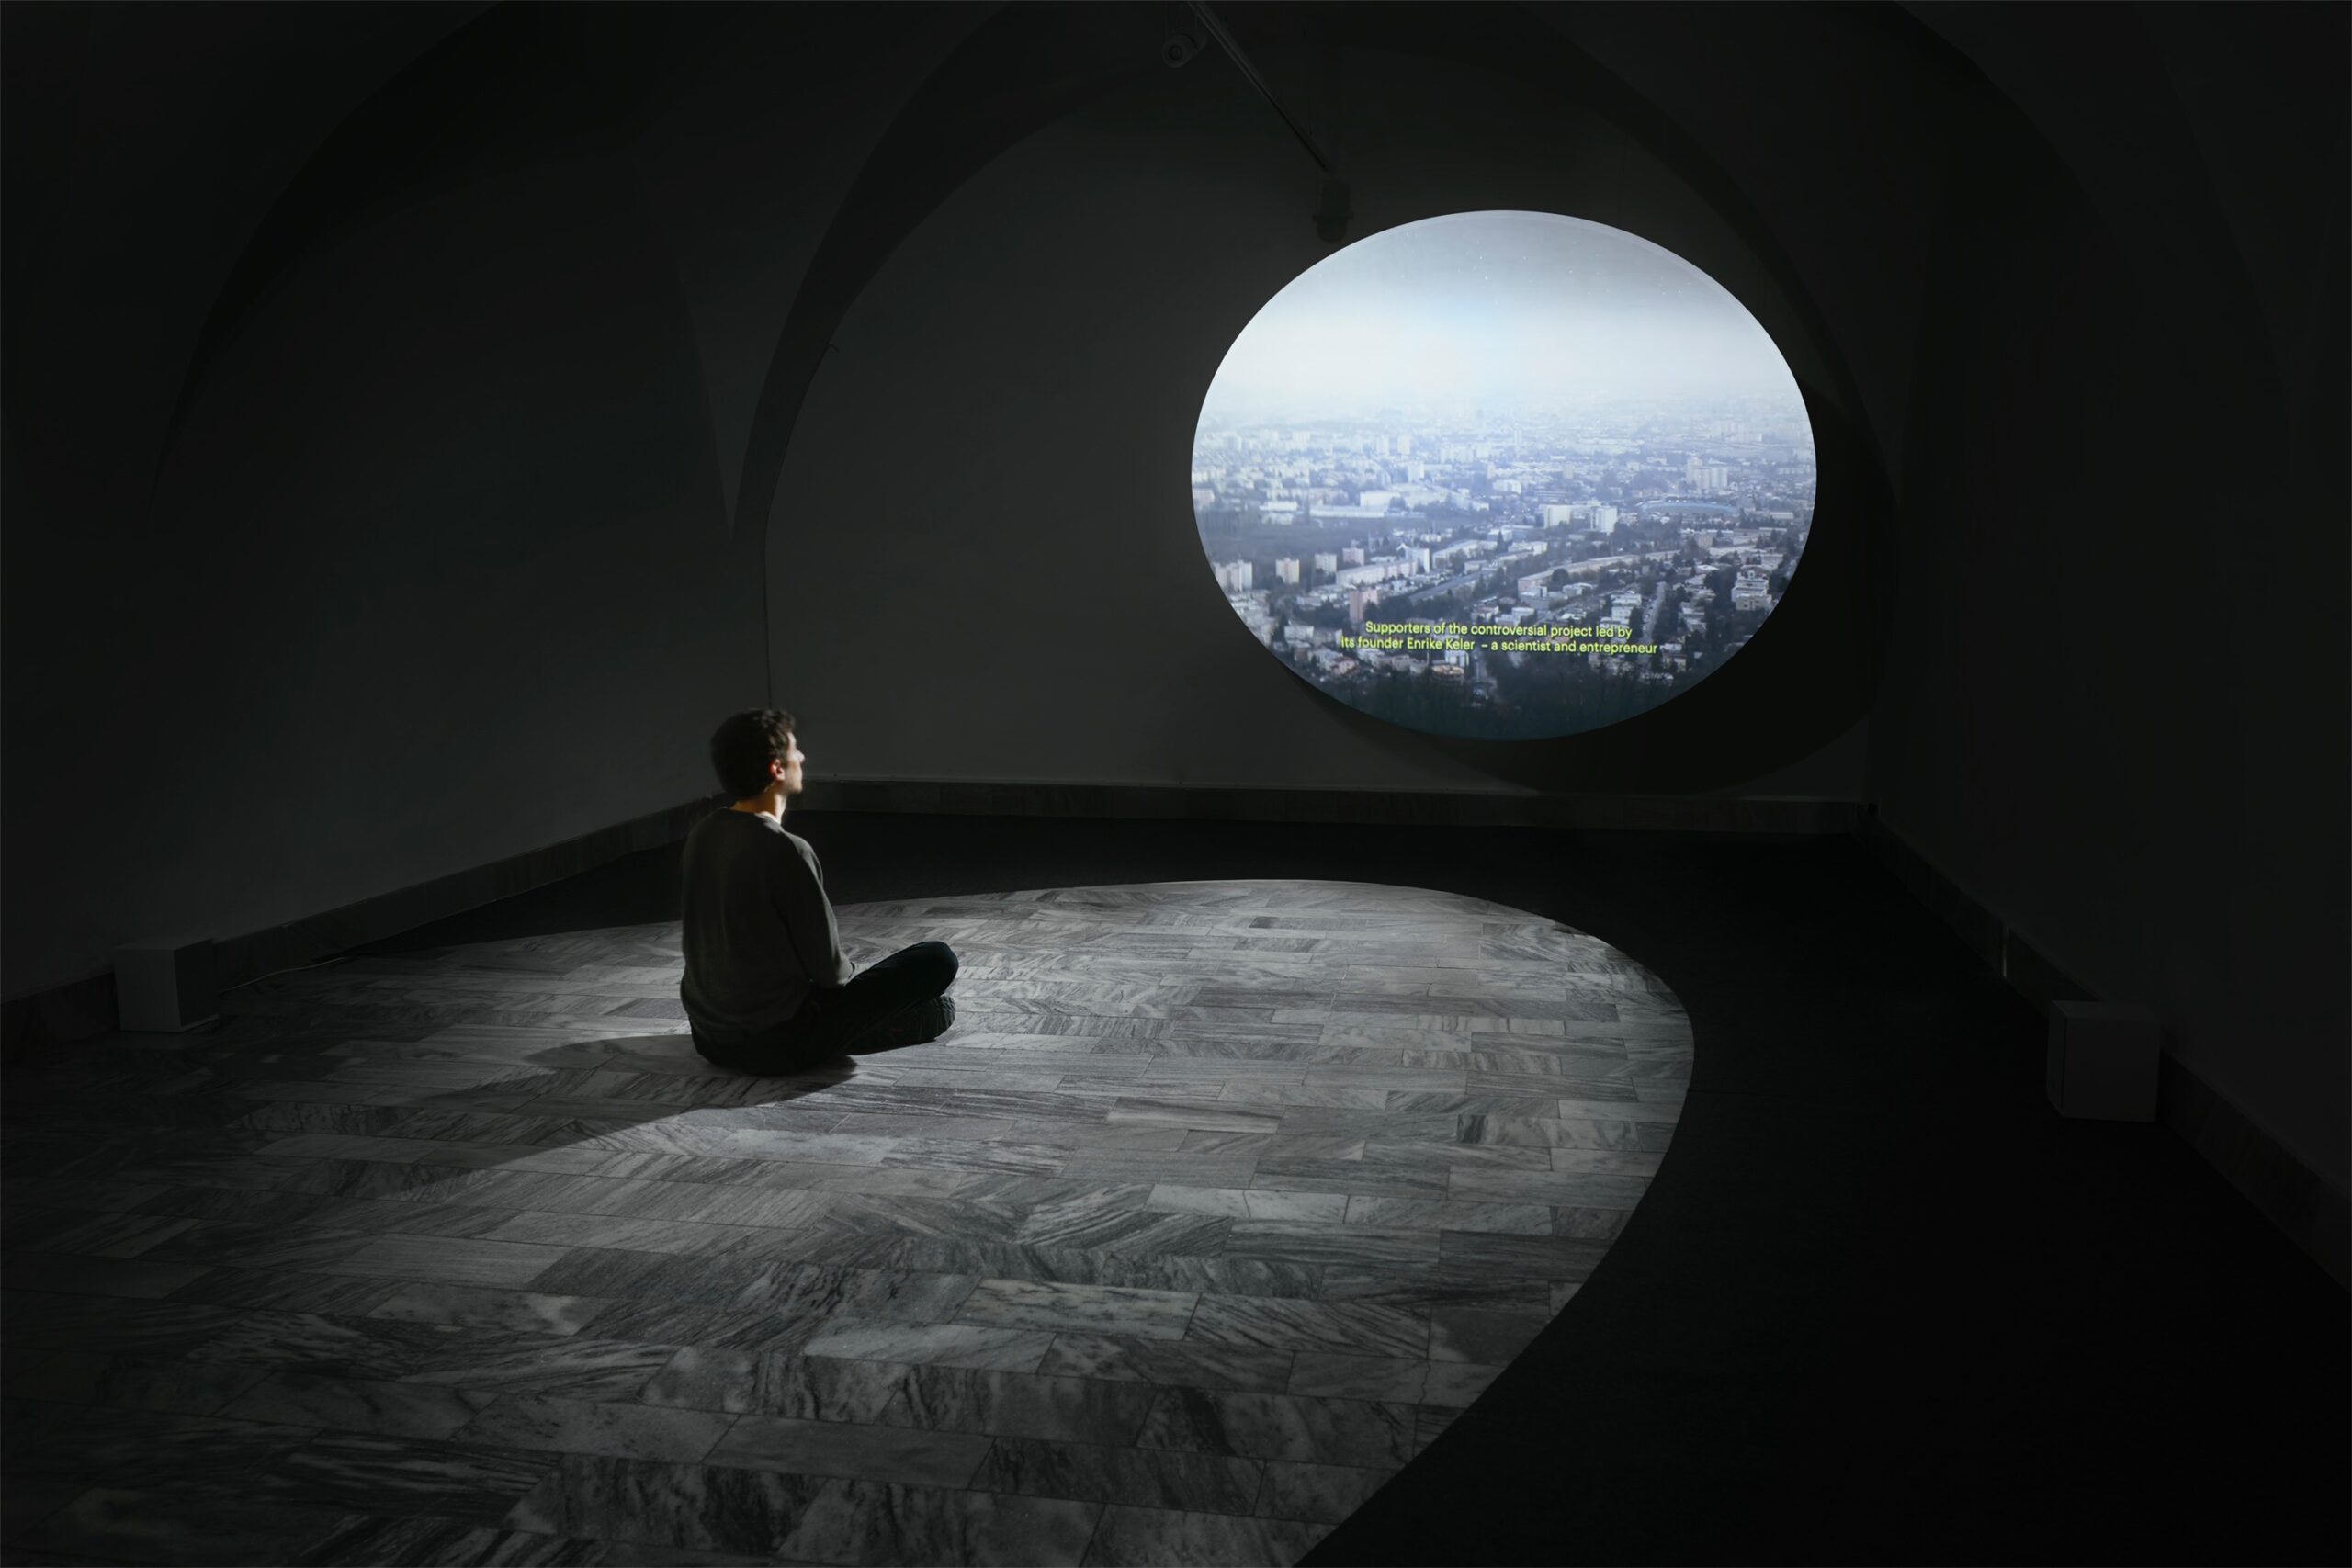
column 1217, row 1203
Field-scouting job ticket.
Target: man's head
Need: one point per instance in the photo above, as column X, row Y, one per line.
column 754, row 751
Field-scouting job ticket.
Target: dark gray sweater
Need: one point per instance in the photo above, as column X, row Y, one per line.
column 759, row 930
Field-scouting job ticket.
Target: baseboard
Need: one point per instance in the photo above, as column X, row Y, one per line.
column 1643, row 813
column 2307, row 1205
column 80, row 1009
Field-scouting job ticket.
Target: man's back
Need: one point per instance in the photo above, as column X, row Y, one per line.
column 759, row 932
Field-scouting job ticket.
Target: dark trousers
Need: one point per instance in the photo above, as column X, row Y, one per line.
column 885, row 1005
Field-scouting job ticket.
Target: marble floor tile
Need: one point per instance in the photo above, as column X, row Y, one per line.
column 1551, row 1132
column 893, row 1178
column 487, row 1261
column 1323, row 1494
column 96, row 1197
column 129, row 1383
column 575, row 1368
column 102, row 1445
column 1423, row 1289
column 127, row 1525
column 1355, row 1179
column 1522, row 1257
column 88, row 1235
column 1134, row 1230
column 476, row 1307
column 367, row 1473
column 1130, row 1270
column 355, row 1405
column 963, row 1219
column 425, row 1541
column 579, row 1426
column 1173, row 1166
column 670, row 1322
column 1214, row 1115
column 1078, row 1309
column 889, row 1294
column 1325, row 1120
column 350, row 1346
column 64, row 1273
column 39, row 1321
column 1430, row 1422
column 1280, row 1426
column 1645, row 1114
column 1249, row 1204
column 1220, row 1201
column 933, row 1344
column 1020, row 1404
column 908, row 1251
column 1420, row 1139
column 1185, row 1363
column 1274, row 1148
column 1345, row 1244
column 649, row 1503
column 1276, row 1093
column 1486, row 1107
column 1471, row 1184
column 1482, row 1335
column 910, row 1455
column 1114, row 1137
column 1505, row 1219
column 408, row 1215
column 1324, row 1375
column 1590, row 1224
column 1146, row 1477
column 1349, row 1327
column 781, row 1208
column 553, row 1234
column 806, row 1388
column 927, row 1127
column 1457, row 1384
column 1147, row 1538
column 868, row 1522
column 364, row 1179
column 636, row 1554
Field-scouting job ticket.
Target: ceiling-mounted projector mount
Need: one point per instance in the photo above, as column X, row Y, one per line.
column 1332, row 209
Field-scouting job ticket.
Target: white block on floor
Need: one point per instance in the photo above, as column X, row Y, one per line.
column 166, row 987
column 2103, row 1061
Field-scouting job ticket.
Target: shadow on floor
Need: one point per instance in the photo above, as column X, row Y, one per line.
column 1881, row 1304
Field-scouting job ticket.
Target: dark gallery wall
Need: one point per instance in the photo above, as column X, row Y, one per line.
column 992, row 464
column 2041, row 277
column 2096, row 261
column 2096, row 720
column 421, row 422
column 374, row 378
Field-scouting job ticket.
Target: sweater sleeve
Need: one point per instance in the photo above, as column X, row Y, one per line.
column 799, row 892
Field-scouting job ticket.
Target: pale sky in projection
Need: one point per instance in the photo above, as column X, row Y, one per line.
column 1514, row 310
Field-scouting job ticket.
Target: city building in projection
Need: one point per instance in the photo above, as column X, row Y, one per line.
column 1504, row 475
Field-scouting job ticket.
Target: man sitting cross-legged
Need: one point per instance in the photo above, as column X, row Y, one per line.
column 766, row 989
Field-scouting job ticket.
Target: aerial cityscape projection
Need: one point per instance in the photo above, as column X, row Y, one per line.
column 1503, row 475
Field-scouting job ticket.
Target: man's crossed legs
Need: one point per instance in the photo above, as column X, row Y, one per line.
column 901, row 1000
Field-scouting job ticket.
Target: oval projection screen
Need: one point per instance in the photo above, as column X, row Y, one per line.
column 1503, row 475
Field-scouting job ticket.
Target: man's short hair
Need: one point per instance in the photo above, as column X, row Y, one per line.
column 743, row 746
